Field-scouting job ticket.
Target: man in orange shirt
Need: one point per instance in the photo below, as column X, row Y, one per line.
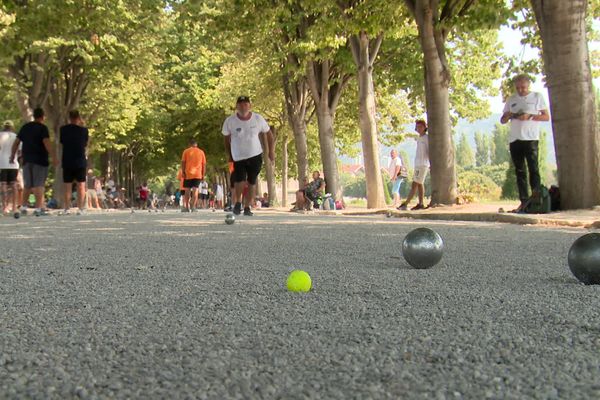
column 193, row 167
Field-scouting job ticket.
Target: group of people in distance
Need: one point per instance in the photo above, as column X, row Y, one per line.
column 524, row 110
column 29, row 154
column 25, row 159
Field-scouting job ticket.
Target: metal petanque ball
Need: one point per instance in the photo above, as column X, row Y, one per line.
column 422, row 248
column 229, row 219
column 584, row 259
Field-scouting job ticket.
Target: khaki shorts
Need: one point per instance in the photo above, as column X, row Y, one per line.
column 420, row 174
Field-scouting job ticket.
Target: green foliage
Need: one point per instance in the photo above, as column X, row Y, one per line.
column 509, row 188
column 497, row 173
column 464, row 152
column 500, row 153
column 481, row 187
column 387, row 188
column 482, row 149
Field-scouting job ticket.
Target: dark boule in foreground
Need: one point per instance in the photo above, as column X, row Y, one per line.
column 422, row 248
column 584, row 259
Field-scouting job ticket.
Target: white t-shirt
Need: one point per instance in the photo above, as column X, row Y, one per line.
column 422, row 155
column 7, row 139
column 533, row 103
column 219, row 194
column 203, row 187
column 245, row 142
column 394, row 162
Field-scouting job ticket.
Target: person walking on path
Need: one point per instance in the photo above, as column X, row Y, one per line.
column 8, row 171
column 421, row 167
column 247, row 135
column 37, row 153
column 193, row 169
column 396, row 172
column 74, row 139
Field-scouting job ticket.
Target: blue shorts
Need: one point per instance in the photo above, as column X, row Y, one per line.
column 396, row 187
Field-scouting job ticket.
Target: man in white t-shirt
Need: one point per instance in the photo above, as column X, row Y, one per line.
column 421, row 167
column 246, row 134
column 395, row 171
column 525, row 110
column 8, row 170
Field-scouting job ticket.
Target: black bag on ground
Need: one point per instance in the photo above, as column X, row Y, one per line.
column 539, row 202
column 554, row 198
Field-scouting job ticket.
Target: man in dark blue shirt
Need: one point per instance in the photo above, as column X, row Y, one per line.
column 74, row 139
column 36, row 156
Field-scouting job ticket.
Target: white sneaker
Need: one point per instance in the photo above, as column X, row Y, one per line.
column 80, row 212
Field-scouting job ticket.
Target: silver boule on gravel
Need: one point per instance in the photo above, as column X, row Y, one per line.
column 422, row 248
column 229, row 219
column 584, row 259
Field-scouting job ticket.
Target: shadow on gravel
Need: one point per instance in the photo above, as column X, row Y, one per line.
column 560, row 279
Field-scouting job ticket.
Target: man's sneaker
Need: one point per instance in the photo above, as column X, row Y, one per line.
column 185, row 210
column 237, row 210
column 402, row 207
column 80, row 212
column 23, row 210
column 418, row 207
column 247, row 212
column 228, row 209
column 65, row 212
column 41, row 212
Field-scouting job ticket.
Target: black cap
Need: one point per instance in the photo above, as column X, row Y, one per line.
column 243, row 99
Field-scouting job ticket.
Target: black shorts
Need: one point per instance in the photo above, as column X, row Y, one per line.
column 203, row 196
column 74, row 174
column 8, row 175
column 191, row 183
column 247, row 170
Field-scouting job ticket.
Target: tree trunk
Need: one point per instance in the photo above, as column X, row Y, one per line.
column 296, row 100
column 364, row 57
column 23, row 105
column 437, row 80
column 284, row 170
column 328, row 153
column 562, row 27
column 299, row 129
column 326, row 89
column 270, row 172
column 58, row 190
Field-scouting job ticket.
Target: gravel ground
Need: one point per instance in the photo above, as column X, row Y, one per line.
column 178, row 306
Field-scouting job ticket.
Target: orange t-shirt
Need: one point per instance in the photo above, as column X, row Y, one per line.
column 180, row 178
column 231, row 167
column 195, row 163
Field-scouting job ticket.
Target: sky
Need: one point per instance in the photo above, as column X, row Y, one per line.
column 511, row 41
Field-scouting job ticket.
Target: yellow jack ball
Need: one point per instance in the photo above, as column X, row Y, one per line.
column 299, row 281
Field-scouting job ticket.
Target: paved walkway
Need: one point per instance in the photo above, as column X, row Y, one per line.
column 183, row 306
